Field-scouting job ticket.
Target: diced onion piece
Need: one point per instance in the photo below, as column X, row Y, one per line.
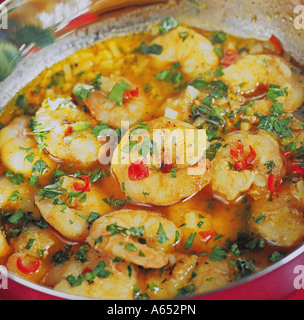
column 170, row 113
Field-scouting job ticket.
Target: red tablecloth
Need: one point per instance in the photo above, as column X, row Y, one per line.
column 298, row 295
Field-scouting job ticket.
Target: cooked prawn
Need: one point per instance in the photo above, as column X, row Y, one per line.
column 112, row 234
column 281, row 221
column 5, row 248
column 234, row 176
column 16, row 196
column 133, row 109
column 102, row 286
column 194, row 53
column 19, row 151
column 198, row 274
column 245, row 76
column 43, row 245
column 69, row 212
column 67, row 132
column 166, row 180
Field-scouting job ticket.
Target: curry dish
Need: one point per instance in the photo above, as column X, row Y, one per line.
column 141, row 230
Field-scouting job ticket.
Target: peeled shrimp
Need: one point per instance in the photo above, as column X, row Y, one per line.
column 16, row 196
column 111, row 234
column 212, row 275
column 230, row 182
column 135, row 109
column 166, row 181
column 5, row 249
column 280, row 221
column 246, row 75
column 44, row 243
column 69, row 216
column 19, row 151
column 187, row 271
column 194, row 53
column 118, row 284
column 68, row 134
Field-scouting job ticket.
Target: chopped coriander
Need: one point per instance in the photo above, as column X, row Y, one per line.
column 82, row 91
column 219, row 37
column 189, row 242
column 168, row 24
column 130, row 247
column 145, row 49
column 161, row 235
column 15, row 178
column 218, row 254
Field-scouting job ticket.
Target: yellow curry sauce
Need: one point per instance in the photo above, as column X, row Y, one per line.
column 220, row 236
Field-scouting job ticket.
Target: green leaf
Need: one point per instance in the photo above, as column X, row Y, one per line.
column 15, row 178
column 82, row 91
column 219, row 37
column 162, row 237
column 145, row 49
column 189, row 242
column 168, row 24
column 212, row 150
column 218, row 254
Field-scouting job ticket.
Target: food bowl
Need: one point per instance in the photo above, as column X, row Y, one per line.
column 77, row 24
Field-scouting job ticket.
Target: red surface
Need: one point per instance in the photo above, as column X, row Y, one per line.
column 298, row 295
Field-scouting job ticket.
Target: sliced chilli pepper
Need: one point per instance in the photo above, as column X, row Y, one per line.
column 238, row 154
column 297, row 169
column 274, row 185
column 277, row 44
column 230, row 57
column 285, row 153
column 251, row 157
column 238, row 151
column 240, row 165
column 28, row 270
column 69, row 130
column 87, row 270
column 129, row 94
column 166, row 168
column 138, row 170
column 81, row 187
column 207, row 235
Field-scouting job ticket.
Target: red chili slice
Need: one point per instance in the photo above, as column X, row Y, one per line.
column 68, row 130
column 277, row 44
column 207, row 235
column 87, row 270
column 28, row 270
column 251, row 157
column 166, row 168
column 81, row 187
column 297, row 169
column 138, row 170
column 238, row 151
column 238, row 154
column 274, row 185
column 129, row 94
column 230, row 57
